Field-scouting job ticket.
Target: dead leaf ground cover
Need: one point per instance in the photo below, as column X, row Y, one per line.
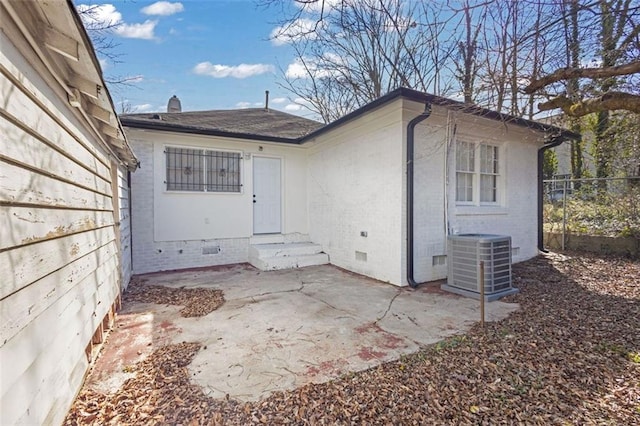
column 569, row 356
column 196, row 302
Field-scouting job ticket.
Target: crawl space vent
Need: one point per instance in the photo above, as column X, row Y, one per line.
column 210, row 249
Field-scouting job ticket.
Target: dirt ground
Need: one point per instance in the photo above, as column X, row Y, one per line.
column 570, row 355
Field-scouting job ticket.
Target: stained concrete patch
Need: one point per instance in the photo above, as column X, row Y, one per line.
column 282, row 329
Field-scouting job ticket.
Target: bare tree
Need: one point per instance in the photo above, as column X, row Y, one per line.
column 466, row 63
column 100, row 32
column 616, row 39
column 485, row 50
column 359, row 50
column 610, row 29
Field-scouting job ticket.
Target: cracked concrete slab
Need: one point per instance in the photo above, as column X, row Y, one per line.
column 279, row 330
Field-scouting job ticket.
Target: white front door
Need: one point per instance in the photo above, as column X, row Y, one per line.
column 266, row 195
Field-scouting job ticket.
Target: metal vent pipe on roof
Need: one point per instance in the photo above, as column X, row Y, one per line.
column 266, row 100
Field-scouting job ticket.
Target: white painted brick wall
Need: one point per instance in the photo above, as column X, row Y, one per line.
column 150, row 255
column 355, row 181
column 515, row 216
column 429, row 190
column 355, row 184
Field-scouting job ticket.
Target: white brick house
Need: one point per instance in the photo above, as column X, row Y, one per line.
column 215, row 186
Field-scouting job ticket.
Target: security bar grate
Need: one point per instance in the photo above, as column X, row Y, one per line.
column 202, row 170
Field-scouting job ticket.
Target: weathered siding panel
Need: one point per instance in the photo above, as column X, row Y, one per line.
column 19, row 185
column 33, row 224
column 38, row 154
column 29, row 303
column 27, row 105
column 59, row 258
column 29, row 398
column 125, row 226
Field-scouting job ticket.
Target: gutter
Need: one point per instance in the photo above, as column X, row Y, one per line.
column 555, row 141
column 417, row 96
column 411, row 127
column 168, row 127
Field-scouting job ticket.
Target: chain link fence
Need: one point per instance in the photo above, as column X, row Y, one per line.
column 607, row 207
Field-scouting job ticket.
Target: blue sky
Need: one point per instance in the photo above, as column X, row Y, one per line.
column 215, row 54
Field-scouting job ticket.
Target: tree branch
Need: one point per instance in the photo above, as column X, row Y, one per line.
column 568, row 73
column 607, row 102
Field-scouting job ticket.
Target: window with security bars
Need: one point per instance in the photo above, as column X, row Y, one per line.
column 477, row 176
column 203, row 170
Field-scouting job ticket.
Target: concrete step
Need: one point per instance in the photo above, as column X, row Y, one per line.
column 284, row 249
column 267, row 239
column 286, row 255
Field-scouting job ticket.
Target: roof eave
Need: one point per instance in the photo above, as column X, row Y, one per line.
column 418, row 96
column 136, row 124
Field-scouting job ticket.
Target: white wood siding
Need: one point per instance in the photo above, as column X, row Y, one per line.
column 60, row 269
column 124, row 202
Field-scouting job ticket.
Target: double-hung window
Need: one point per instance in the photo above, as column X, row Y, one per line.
column 477, row 173
column 202, row 170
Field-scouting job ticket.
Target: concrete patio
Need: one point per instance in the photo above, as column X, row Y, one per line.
column 279, row 330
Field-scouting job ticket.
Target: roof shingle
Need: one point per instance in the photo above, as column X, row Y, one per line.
column 256, row 123
column 278, row 126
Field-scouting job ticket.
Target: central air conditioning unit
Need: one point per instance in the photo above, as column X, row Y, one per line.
column 465, row 252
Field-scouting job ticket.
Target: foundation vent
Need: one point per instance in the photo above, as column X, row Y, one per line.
column 438, row 260
column 210, row 249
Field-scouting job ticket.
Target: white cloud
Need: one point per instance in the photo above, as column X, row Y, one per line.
column 293, row 107
column 143, row 31
column 106, row 15
column 235, row 71
column 297, row 70
column 104, row 63
column 99, row 14
column 319, row 5
column 298, row 29
column 135, row 79
column 243, row 105
column 143, row 108
column 278, row 100
column 298, row 104
column 307, row 67
column 162, row 8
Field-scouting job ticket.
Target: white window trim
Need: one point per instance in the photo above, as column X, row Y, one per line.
column 202, row 148
column 467, row 206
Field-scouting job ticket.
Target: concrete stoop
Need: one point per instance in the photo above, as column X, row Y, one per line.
column 269, row 257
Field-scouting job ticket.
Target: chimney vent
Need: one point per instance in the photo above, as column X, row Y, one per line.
column 266, row 100
column 174, row 104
